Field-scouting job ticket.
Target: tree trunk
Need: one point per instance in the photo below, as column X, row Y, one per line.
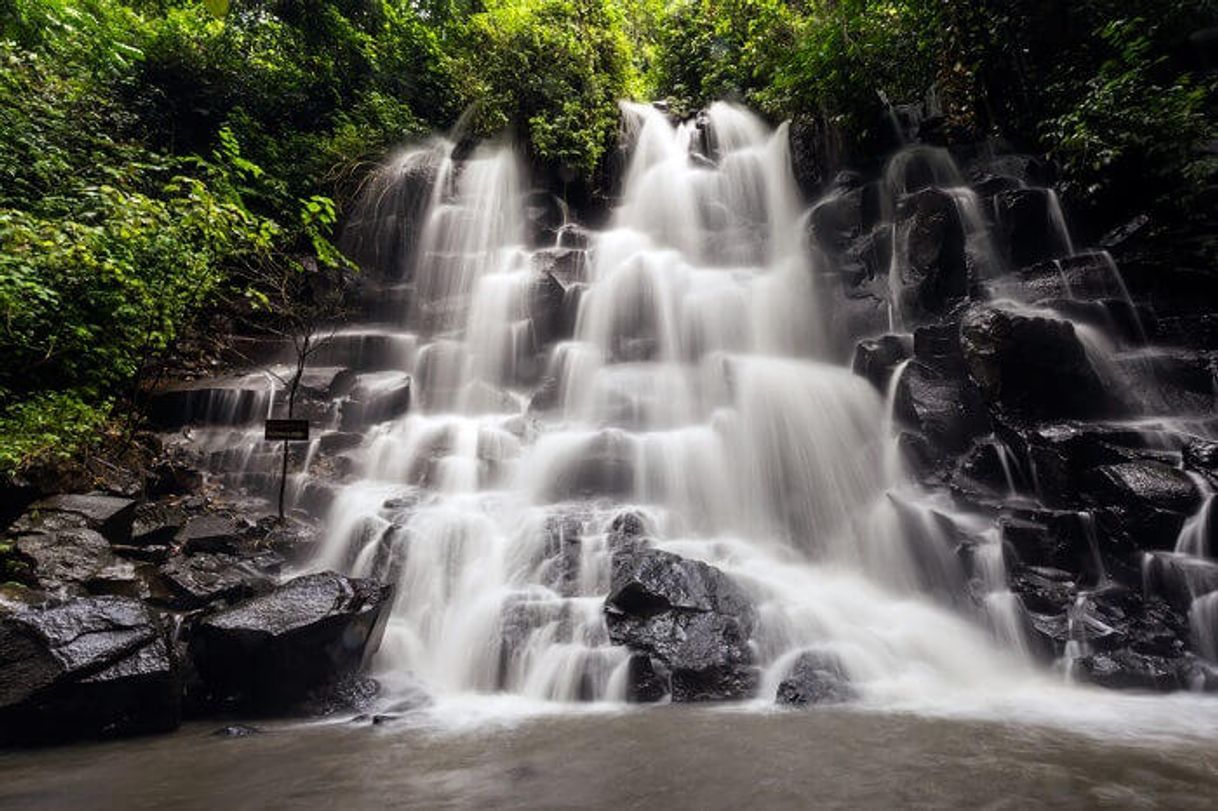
column 302, row 357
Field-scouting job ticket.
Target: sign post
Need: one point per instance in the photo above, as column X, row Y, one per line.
column 285, row 431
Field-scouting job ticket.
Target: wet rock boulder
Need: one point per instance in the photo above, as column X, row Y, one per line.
column 815, row 678
column 1059, row 539
column 1152, row 484
column 63, row 562
column 1031, row 365
column 690, row 617
column 1148, row 502
column 946, row 411
column 209, row 533
column 1201, row 456
column 643, row 684
column 156, row 524
column 282, row 647
column 1127, row 670
column 91, row 667
column 1180, row 579
column 843, row 216
column 876, row 358
column 109, row 515
column 1031, row 225
column 197, row 581
column 934, row 270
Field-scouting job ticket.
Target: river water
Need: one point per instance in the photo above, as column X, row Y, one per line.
column 668, row 757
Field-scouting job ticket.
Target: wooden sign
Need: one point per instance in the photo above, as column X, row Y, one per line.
column 287, row 430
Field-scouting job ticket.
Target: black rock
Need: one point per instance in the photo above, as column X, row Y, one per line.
column 157, row 524
column 643, row 684
column 196, row 581
column 1126, row 670
column 282, row 647
column 838, row 219
column 547, row 301
column 876, row 358
column 209, row 533
column 63, row 561
column 687, row 615
column 375, row 398
column 987, row 467
column 815, row 678
column 91, row 667
column 628, row 526
column 1043, row 590
column 1151, row 485
column 938, row 346
column 946, row 411
column 1031, row 365
column 1180, row 579
column 173, row 476
column 1146, row 503
column 1059, row 539
column 1201, row 456
column 109, row 515
column 1030, row 225
column 1061, row 457
column 933, row 265
column 236, row 731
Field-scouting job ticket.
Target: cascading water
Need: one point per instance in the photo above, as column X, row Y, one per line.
column 509, row 401
column 688, row 391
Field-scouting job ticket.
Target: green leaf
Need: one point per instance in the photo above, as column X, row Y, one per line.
column 218, row 8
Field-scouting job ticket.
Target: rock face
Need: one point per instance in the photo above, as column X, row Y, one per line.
column 876, row 358
column 1152, row 485
column 1127, row 670
column 1146, row 501
column 687, row 615
column 92, row 667
column 816, row 678
column 944, row 410
column 275, row 650
column 1030, row 225
column 1031, row 365
column 643, row 684
column 936, row 269
column 1180, row 579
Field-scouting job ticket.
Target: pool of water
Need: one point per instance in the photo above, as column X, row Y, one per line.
column 658, row 757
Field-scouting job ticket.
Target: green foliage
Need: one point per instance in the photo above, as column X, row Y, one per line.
column 552, row 71
column 711, row 49
column 88, row 298
column 1098, row 84
column 1129, row 120
column 50, row 425
column 849, row 54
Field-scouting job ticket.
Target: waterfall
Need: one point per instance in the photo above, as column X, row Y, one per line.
column 687, row 388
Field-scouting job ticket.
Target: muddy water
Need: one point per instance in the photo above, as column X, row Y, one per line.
column 664, row 757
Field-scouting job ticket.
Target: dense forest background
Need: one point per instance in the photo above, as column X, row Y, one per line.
column 162, row 158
